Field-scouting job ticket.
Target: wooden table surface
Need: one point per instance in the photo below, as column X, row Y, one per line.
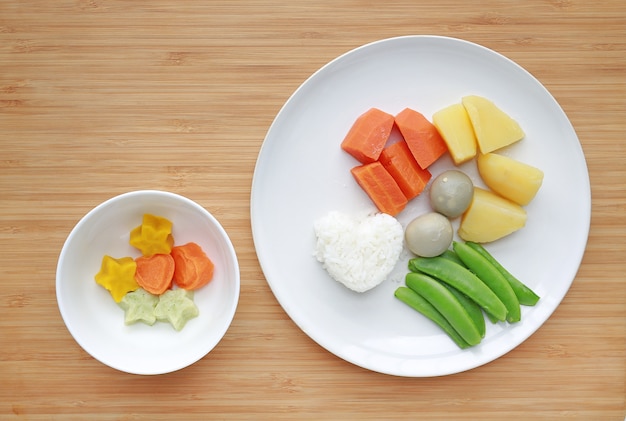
column 101, row 97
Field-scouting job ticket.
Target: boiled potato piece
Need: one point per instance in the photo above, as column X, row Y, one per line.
column 455, row 127
column 510, row 178
column 490, row 217
column 494, row 129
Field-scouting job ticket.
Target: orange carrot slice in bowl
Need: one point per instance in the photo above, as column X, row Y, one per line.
column 155, row 273
column 193, row 268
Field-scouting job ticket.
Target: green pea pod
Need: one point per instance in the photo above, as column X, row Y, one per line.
column 443, row 300
column 491, row 318
column 412, row 267
column 525, row 295
column 492, row 277
column 473, row 309
column 448, row 254
column 419, row 304
column 451, row 255
column 465, row 281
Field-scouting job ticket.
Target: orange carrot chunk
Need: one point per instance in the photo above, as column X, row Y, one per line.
column 368, row 135
column 193, row 267
column 380, row 187
column 154, row 273
column 422, row 137
column 402, row 166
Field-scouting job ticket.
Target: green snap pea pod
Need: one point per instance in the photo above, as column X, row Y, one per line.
column 419, row 304
column 448, row 254
column 492, row 277
column 451, row 255
column 525, row 295
column 443, row 300
column 465, row 281
column 412, row 267
column 473, row 309
column 491, row 318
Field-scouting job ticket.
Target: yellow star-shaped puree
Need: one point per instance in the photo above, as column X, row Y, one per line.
column 117, row 276
column 153, row 236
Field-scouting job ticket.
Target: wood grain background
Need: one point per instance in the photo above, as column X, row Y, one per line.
column 100, row 97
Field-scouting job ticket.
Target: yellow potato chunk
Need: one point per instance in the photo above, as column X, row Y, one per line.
column 490, row 217
column 510, row 178
column 455, row 127
column 494, row 129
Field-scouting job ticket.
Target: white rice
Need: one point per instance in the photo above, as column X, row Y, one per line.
column 358, row 251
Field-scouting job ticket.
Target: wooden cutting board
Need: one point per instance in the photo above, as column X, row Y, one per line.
column 100, row 97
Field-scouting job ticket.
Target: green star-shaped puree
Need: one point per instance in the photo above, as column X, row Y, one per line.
column 176, row 306
column 139, row 307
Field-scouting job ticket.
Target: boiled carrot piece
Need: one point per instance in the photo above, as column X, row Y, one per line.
column 154, row 273
column 368, row 135
column 422, row 137
column 193, row 268
column 380, row 187
column 402, row 166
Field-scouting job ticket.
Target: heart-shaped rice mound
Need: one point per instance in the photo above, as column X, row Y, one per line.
column 358, row 251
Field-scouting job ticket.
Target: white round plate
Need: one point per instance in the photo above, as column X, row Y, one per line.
column 96, row 321
column 302, row 174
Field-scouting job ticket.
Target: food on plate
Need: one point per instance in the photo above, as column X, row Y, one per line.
column 358, row 251
column 420, row 304
column 368, row 135
column 494, row 129
column 153, row 236
column 446, row 303
column 456, row 289
column 456, row 129
column 525, row 295
column 429, row 234
column 451, row 255
column 154, row 273
column 421, row 136
column 139, row 306
column 176, row 307
column 472, row 277
column 193, row 269
column 381, row 187
column 510, row 178
column 491, row 276
column 393, row 174
column 117, row 275
column 402, row 166
column 462, row 279
column 473, row 310
column 490, row 217
column 451, row 193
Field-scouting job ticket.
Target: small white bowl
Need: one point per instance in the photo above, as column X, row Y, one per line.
column 96, row 321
